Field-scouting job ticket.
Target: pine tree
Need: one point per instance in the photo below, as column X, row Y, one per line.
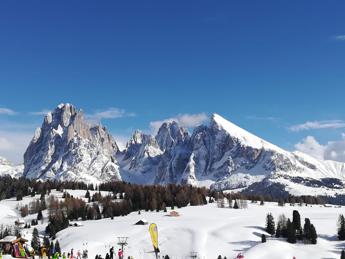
column 51, row 248
column 341, row 227
column 46, row 242
column 342, row 256
column 263, row 238
column 270, row 226
column 278, row 231
column 281, row 227
column 306, row 229
column 19, row 195
column 87, row 195
column 39, row 215
column 291, row 232
column 296, row 221
column 313, row 234
column 235, row 205
column 57, row 247
column 35, row 242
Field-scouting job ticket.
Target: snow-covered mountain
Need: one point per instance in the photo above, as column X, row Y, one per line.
column 226, row 157
column 218, row 154
column 66, row 147
column 7, row 168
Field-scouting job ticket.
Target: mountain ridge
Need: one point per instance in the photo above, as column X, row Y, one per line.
column 219, row 154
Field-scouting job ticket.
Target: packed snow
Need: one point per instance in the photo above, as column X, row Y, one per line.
column 208, row 230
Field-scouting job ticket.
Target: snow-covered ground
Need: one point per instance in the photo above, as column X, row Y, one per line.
column 207, row 230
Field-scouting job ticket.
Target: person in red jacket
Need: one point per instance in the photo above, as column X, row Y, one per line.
column 120, row 254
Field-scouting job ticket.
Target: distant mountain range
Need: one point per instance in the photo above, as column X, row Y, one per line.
column 218, row 154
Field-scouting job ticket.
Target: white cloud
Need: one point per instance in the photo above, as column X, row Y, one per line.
column 40, row 113
column 326, row 124
column 110, row 113
column 332, row 150
column 340, row 37
column 310, row 146
column 6, row 111
column 185, row 120
column 263, row 118
column 14, row 144
column 121, row 140
column 15, row 138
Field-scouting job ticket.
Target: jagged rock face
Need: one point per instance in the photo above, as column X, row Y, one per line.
column 220, row 155
column 170, row 134
column 141, row 155
column 156, row 160
column 175, row 141
column 68, row 148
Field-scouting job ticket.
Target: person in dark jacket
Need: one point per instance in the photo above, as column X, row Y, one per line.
column 111, row 252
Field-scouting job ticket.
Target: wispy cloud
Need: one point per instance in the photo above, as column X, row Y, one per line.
column 340, row 37
column 110, row 113
column 7, row 111
column 14, row 138
column 262, row 118
column 40, row 113
column 326, row 124
column 14, row 144
column 332, row 150
column 185, row 120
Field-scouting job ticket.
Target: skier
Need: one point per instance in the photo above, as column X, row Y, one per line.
column 240, row 256
column 85, row 254
column 111, row 252
column 96, row 257
column 107, row 256
column 120, row 254
column 63, row 255
column 78, row 255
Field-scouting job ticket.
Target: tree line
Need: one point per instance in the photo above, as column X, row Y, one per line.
column 291, row 229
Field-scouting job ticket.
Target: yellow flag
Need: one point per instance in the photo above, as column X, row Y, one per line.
column 154, row 235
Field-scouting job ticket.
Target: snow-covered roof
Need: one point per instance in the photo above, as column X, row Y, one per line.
column 12, row 239
column 8, row 239
column 141, row 221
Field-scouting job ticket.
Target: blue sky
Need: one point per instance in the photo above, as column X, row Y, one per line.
column 265, row 65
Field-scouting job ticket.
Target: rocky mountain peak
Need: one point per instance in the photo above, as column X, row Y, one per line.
column 170, row 134
column 68, row 147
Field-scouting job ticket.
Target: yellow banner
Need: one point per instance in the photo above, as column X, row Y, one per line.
column 154, row 235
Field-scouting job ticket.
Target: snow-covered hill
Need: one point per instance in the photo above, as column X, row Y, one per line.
column 207, row 230
column 7, row 168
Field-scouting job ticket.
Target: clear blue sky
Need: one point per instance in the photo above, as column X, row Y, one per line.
column 264, row 65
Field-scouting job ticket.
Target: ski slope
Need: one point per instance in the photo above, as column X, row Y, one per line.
column 207, row 230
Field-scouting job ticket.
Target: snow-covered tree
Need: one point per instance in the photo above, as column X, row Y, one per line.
column 341, row 227
column 291, row 232
column 270, row 225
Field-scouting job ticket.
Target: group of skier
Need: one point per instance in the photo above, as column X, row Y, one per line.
column 111, row 254
column 70, row 255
